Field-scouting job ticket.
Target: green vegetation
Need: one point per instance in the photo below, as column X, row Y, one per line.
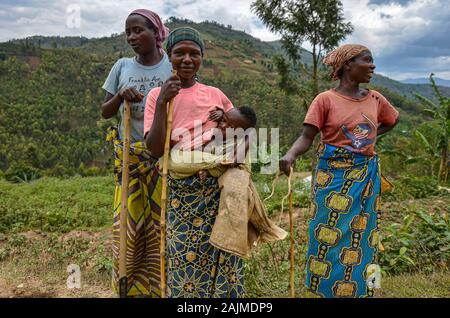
column 41, row 225
column 56, row 205
column 50, row 123
column 441, row 127
column 56, row 187
column 49, row 116
column 321, row 23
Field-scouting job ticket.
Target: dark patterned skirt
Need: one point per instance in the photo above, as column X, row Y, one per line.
column 195, row 268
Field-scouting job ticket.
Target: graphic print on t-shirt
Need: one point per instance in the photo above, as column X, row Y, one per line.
column 359, row 136
column 141, row 84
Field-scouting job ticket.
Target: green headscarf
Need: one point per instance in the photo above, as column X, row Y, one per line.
column 184, row 34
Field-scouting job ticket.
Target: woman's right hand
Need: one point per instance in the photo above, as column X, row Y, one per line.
column 170, row 89
column 131, row 94
column 286, row 162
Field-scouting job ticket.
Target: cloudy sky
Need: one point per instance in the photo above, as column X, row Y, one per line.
column 409, row 38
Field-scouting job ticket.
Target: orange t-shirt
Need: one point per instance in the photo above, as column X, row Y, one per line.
column 350, row 123
column 191, row 127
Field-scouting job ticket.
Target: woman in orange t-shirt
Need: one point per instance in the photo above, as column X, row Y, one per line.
column 345, row 206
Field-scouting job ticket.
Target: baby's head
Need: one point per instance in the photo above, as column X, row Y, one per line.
column 243, row 117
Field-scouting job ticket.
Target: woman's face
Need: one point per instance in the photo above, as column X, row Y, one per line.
column 186, row 58
column 140, row 37
column 361, row 69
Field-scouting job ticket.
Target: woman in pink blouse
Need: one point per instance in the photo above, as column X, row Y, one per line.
column 194, row 267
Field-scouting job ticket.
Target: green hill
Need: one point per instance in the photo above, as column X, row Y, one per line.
column 407, row 90
column 227, row 50
column 50, row 119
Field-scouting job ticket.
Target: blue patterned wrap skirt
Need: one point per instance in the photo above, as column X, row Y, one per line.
column 344, row 226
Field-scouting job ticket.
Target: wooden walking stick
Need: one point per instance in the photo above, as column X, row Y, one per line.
column 123, row 280
column 165, row 167
column 292, row 247
column 291, row 227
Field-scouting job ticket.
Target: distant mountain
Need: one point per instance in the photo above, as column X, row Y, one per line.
column 426, row 80
column 228, row 51
column 53, row 84
column 407, row 90
column 52, row 42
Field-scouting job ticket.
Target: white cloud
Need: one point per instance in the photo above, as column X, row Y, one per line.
column 400, row 24
column 407, row 38
column 102, row 18
column 397, row 35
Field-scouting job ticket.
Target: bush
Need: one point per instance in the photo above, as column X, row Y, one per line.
column 413, row 187
column 20, row 172
column 93, row 171
column 420, row 243
column 60, row 171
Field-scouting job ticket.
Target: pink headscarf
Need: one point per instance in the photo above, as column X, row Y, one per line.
column 162, row 32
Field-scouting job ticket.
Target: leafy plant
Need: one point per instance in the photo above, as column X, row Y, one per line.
column 413, row 187
column 421, row 243
column 440, row 113
column 19, row 172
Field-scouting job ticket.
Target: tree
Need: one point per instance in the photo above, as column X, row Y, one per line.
column 441, row 114
column 320, row 22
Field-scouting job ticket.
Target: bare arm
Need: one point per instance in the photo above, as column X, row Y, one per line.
column 300, row 146
column 383, row 128
column 112, row 103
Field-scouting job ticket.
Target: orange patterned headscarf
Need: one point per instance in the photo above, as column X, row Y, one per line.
column 342, row 54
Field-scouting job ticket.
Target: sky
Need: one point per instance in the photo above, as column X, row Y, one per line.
column 408, row 38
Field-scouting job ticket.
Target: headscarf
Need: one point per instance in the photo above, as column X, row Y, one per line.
column 184, row 34
column 161, row 30
column 339, row 56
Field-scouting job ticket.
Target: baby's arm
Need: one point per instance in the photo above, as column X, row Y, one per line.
column 216, row 115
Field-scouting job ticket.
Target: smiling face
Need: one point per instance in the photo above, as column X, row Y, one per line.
column 186, row 58
column 140, row 36
column 361, row 68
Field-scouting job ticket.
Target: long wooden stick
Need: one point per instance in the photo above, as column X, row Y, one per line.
column 123, row 280
column 164, row 197
column 292, row 247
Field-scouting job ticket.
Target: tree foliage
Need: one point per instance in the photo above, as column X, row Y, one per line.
column 440, row 113
column 50, row 116
column 50, row 121
column 319, row 22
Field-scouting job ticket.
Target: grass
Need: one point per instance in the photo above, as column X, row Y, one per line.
column 56, row 205
column 416, row 286
column 35, row 264
column 48, row 224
